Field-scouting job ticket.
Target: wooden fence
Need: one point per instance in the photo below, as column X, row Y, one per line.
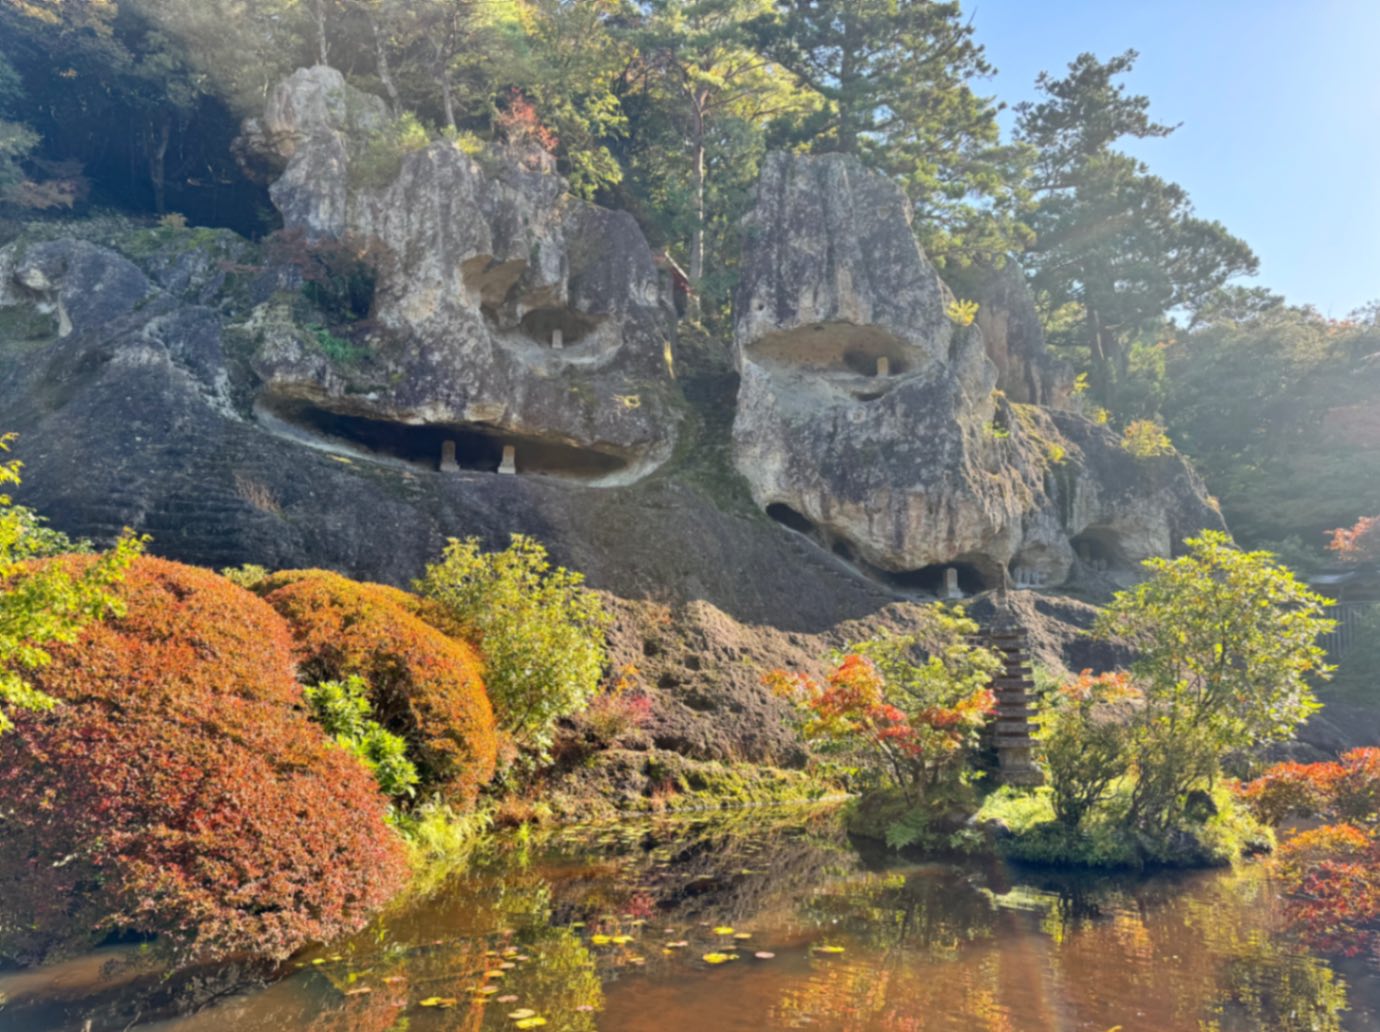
column 1353, row 620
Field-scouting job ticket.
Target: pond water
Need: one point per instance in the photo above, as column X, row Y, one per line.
column 608, row 927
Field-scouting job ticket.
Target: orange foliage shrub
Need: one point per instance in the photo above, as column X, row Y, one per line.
column 424, row 686
column 181, row 791
column 1331, row 873
column 1359, row 543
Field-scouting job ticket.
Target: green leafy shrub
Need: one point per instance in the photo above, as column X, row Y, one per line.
column 246, row 576
column 1226, row 644
column 338, row 349
column 48, row 603
column 424, row 687
column 377, row 162
column 1145, row 439
column 541, row 632
column 179, row 789
column 1085, row 743
column 342, row 708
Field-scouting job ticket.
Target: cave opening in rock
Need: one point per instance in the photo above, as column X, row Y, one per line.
column 557, row 327
column 788, row 517
column 973, row 579
column 836, row 347
column 1099, row 549
column 477, row 447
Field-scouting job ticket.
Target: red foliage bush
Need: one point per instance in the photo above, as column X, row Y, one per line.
column 1331, row 873
column 424, row 686
column 180, row 789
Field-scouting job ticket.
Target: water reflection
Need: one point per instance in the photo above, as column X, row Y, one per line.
column 607, row 928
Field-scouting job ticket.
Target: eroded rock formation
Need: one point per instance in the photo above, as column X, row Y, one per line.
column 870, row 417
column 504, row 313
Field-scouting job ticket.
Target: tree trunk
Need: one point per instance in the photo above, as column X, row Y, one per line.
column 693, row 307
column 323, row 49
column 445, row 46
column 385, row 74
column 848, row 82
column 158, row 158
column 449, row 101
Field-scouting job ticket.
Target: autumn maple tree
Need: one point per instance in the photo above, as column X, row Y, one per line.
column 1359, row 543
column 906, row 708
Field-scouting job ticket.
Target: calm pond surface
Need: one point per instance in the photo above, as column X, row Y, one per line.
column 606, row 927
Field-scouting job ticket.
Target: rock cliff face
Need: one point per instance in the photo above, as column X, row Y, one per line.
column 870, row 418
column 503, row 311
column 217, row 395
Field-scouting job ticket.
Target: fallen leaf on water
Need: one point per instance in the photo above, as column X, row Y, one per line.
column 439, row 1001
column 764, row 955
column 531, row 1022
column 522, row 1012
column 677, row 945
column 493, row 974
column 828, row 949
column 600, row 940
column 510, row 998
column 723, row 930
column 742, row 935
column 718, row 958
column 621, row 940
column 363, row 990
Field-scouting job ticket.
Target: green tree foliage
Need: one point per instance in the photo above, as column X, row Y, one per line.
column 540, row 630
column 1116, row 248
column 698, row 101
column 895, row 79
column 1276, row 405
column 1226, row 644
column 1085, row 743
column 46, row 604
column 344, row 710
column 16, row 139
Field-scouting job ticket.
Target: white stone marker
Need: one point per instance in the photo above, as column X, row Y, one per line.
column 509, row 463
column 448, row 463
column 951, row 588
column 557, row 339
column 883, row 366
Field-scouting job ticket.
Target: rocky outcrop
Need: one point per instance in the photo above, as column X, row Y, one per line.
column 870, row 417
column 504, row 312
column 1012, row 335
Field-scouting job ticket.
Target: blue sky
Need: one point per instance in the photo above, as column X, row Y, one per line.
column 1280, row 105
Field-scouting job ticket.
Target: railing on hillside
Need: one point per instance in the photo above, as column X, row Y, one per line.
column 1353, row 620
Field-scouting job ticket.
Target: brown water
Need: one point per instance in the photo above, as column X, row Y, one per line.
column 578, row 929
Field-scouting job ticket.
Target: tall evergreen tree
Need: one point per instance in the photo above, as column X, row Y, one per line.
column 1117, row 249
column 895, row 76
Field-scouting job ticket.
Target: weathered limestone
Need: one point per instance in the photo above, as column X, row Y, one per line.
column 870, row 419
column 500, row 301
